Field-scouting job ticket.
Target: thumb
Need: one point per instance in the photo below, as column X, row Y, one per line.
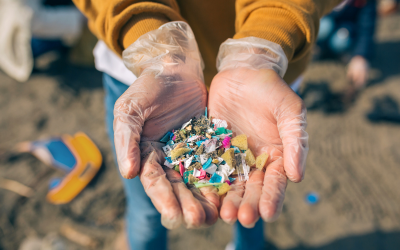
column 291, row 126
column 128, row 122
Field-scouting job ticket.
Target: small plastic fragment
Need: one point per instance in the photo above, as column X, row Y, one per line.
column 202, row 175
column 188, row 161
column 178, row 152
column 181, row 168
column 215, row 178
column 186, row 124
column 197, row 165
column 166, row 137
column 223, row 189
column 229, row 157
column 167, row 150
column 211, row 169
column 192, row 179
column 240, row 141
column 219, row 123
column 261, row 160
column 200, row 150
column 168, row 164
column 226, row 143
column 207, row 164
column 250, row 159
column 241, row 167
column 220, row 130
column 312, row 198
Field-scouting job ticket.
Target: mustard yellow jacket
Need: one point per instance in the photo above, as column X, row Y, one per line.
column 293, row 24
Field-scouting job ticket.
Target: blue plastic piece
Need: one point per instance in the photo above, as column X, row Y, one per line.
column 215, row 178
column 54, row 183
column 168, row 159
column 199, row 142
column 205, row 113
column 166, row 137
column 237, row 150
column 62, row 156
column 207, row 164
column 231, row 179
column 312, row 198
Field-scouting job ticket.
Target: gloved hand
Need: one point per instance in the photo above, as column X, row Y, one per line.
column 249, row 93
column 168, row 92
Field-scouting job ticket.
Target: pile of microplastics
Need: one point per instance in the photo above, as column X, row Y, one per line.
column 205, row 154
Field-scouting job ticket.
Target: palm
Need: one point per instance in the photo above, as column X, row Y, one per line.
column 262, row 106
column 151, row 107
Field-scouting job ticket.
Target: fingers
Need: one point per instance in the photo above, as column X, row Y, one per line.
column 128, row 122
column 126, row 139
column 159, row 189
column 291, row 126
column 249, row 208
column 273, row 191
column 231, row 202
column 209, row 199
column 193, row 212
column 211, row 195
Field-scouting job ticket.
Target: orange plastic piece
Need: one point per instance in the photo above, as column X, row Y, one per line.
column 88, row 159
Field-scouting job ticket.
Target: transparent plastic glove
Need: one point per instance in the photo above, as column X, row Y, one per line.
column 168, row 92
column 249, row 93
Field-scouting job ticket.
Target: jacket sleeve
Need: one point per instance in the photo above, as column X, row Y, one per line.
column 293, row 24
column 120, row 22
column 366, row 22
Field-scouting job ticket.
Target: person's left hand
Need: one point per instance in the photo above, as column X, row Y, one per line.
column 258, row 103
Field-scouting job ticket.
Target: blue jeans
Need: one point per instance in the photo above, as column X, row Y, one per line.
column 337, row 38
column 143, row 222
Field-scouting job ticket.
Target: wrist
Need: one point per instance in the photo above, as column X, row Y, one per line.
column 170, row 48
column 252, row 52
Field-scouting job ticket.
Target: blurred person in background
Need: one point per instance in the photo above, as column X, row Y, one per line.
column 31, row 28
column 387, row 7
column 347, row 33
column 161, row 85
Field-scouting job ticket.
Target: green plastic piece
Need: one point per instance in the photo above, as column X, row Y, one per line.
column 200, row 185
column 186, row 176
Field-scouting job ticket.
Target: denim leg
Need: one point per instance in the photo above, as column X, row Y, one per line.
column 245, row 238
column 143, row 222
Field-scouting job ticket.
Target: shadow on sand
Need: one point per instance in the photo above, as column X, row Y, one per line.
column 373, row 241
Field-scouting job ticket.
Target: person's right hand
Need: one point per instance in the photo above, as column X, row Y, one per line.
column 168, row 92
column 357, row 71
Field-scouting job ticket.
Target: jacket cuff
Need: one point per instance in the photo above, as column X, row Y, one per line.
column 280, row 27
column 139, row 25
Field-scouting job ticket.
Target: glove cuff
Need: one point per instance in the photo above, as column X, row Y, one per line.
column 252, row 52
column 170, row 45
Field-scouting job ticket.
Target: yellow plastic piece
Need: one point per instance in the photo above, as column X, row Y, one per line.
column 178, row 152
column 250, row 159
column 240, row 141
column 261, row 160
column 223, row 189
column 229, row 157
column 88, row 159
